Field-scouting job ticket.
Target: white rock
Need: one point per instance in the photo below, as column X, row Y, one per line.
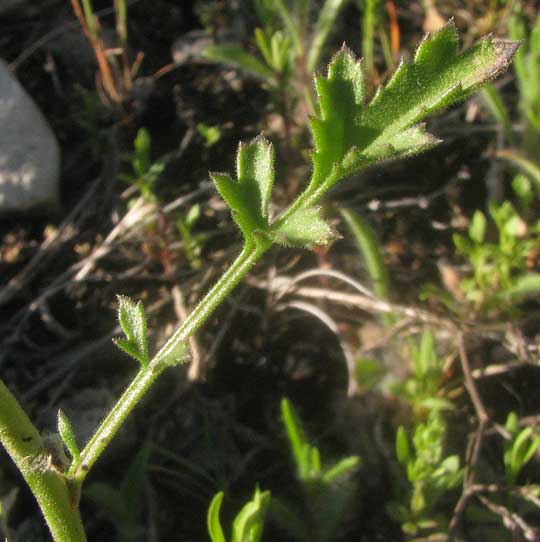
column 29, row 152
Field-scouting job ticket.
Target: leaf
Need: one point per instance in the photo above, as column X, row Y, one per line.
column 527, row 166
column 368, row 373
column 324, row 25
column 142, row 155
column 249, row 196
column 248, row 524
column 341, row 468
column 177, row 355
column 133, row 321
column 523, row 286
column 403, row 450
column 67, row 434
column 371, row 252
column 212, row 519
column 350, row 135
column 236, row 56
column 292, row 28
column 436, row 403
column 522, row 187
column 477, row 230
column 295, row 433
column 304, row 228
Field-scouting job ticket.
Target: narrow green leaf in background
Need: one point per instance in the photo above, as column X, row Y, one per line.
column 236, row 56
column 324, row 25
column 212, row 519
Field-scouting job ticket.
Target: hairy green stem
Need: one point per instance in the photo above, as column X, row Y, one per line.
column 148, row 375
column 48, row 484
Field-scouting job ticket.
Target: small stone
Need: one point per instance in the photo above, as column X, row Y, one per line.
column 29, row 152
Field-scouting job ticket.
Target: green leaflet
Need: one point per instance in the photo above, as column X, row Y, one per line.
column 350, row 134
column 304, row 228
column 249, row 196
column 133, row 321
column 212, row 519
column 67, row 434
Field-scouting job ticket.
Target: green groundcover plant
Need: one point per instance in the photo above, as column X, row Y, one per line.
column 350, row 133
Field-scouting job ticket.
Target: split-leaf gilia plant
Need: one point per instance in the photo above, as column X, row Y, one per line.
column 350, row 133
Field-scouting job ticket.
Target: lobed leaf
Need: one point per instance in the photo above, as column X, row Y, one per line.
column 133, row 321
column 350, row 134
column 249, row 196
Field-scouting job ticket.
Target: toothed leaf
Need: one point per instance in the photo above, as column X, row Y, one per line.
column 133, row 321
column 350, row 134
column 249, row 196
column 68, row 435
column 305, row 228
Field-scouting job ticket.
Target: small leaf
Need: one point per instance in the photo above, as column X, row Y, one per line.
column 67, row 434
column 212, row 518
column 324, row 25
column 477, row 230
column 295, row 433
column 522, row 187
column 133, row 321
column 305, row 228
column 193, row 215
column 436, row 403
column 174, row 356
column 341, row 468
column 512, row 423
column 249, row 196
column 236, row 56
column 248, row 524
column 368, row 373
column 143, row 148
column 528, row 167
column 403, row 450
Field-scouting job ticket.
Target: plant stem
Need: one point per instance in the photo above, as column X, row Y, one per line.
column 147, row 376
column 49, row 485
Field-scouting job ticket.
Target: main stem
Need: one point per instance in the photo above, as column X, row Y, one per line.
column 51, row 489
column 147, row 375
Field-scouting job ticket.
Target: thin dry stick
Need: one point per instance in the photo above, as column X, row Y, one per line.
column 107, row 76
column 329, row 322
column 473, row 452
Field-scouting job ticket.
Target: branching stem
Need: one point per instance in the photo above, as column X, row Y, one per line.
column 148, row 375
